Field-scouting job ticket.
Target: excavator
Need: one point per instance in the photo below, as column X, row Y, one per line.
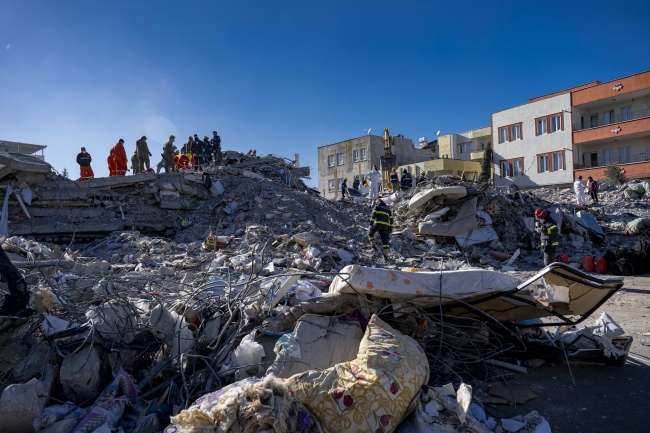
column 389, row 160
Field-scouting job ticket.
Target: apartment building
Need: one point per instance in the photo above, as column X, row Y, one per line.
column 24, row 148
column 555, row 138
column 356, row 156
column 611, row 124
column 465, row 146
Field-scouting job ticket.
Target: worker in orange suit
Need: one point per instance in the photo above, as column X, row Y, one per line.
column 182, row 161
column 112, row 166
column 121, row 162
column 84, row 160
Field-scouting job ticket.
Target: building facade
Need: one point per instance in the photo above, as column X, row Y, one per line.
column 611, row 124
column 555, row 138
column 24, row 148
column 466, row 146
column 355, row 157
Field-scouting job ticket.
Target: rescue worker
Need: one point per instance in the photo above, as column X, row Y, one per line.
column 207, row 149
column 135, row 165
column 548, row 230
column 579, row 188
column 422, row 178
column 112, row 166
column 381, row 220
column 592, row 187
column 375, row 179
column 121, row 162
column 394, row 179
column 355, row 183
column 182, row 161
column 215, row 143
column 187, row 147
column 168, row 155
column 407, row 180
column 197, row 151
column 84, row 159
column 344, row 188
column 142, row 150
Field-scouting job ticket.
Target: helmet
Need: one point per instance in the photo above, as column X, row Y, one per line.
column 394, row 169
column 541, row 213
column 378, row 201
column 189, row 136
column 345, row 178
column 171, row 137
column 205, row 137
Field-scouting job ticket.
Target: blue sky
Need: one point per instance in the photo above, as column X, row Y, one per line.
column 285, row 77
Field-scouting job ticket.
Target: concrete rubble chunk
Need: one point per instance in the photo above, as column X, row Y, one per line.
column 305, row 239
column 80, row 374
column 20, row 404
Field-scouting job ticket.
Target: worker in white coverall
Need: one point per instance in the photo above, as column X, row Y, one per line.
column 375, row 178
column 579, row 189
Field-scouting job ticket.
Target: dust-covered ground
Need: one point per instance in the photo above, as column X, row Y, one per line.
column 604, row 398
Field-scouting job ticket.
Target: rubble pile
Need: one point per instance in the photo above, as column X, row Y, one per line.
column 237, row 299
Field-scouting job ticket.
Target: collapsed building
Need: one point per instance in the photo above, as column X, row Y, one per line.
column 239, row 299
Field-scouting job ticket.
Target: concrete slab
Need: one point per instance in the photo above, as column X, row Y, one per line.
column 116, row 181
column 21, row 162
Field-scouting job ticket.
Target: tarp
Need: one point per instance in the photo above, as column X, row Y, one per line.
column 400, row 285
column 450, row 193
column 465, row 221
column 588, row 221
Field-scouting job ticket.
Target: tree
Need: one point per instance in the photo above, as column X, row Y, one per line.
column 65, row 173
column 614, row 175
column 486, row 164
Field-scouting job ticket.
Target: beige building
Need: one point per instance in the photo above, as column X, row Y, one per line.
column 356, row 156
column 465, row 146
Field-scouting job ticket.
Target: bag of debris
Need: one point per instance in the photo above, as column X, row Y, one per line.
column 638, row 225
column 388, row 372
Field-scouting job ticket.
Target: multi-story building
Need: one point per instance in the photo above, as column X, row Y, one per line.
column 611, row 124
column 466, row 146
column 554, row 138
column 355, row 157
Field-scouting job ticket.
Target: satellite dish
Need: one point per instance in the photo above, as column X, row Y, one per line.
column 369, row 131
column 437, row 133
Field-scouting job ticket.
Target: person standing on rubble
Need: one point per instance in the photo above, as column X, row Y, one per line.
column 84, row 159
column 215, row 142
column 548, row 231
column 407, row 180
column 197, row 151
column 394, row 179
column 375, row 179
column 142, row 150
column 579, row 188
column 592, row 186
column 168, row 154
column 207, row 150
column 121, row 163
column 111, row 164
column 355, row 183
column 135, row 165
column 344, row 188
column 381, row 220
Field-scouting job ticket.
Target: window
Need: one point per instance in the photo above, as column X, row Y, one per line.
column 363, row 155
column 556, row 123
column 355, row 155
column 503, row 135
column 339, row 159
column 624, row 155
column 464, row 148
column 482, row 146
column 542, row 161
column 609, row 117
column 557, row 161
column 505, row 169
column 516, row 132
column 594, row 120
column 626, row 113
column 512, row 167
column 541, row 126
column 608, row 156
column 330, row 184
column 330, row 161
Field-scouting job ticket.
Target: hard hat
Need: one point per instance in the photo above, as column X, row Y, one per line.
column 345, row 179
column 541, row 213
column 205, row 136
column 189, row 136
column 394, row 169
column 378, row 201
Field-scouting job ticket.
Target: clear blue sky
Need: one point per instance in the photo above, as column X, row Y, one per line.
column 285, row 77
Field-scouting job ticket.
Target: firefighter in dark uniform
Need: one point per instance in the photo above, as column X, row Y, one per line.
column 549, row 234
column 381, row 220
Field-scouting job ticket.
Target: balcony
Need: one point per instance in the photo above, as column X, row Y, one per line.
column 603, row 121
column 641, row 157
column 476, row 155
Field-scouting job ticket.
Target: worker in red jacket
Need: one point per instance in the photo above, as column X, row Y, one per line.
column 112, row 166
column 121, row 162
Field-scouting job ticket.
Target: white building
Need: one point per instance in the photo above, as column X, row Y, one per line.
column 531, row 143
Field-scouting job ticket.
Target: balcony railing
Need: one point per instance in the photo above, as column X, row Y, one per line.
column 610, row 120
column 641, row 157
column 476, row 155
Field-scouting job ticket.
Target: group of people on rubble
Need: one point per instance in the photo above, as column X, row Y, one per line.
column 579, row 189
column 372, row 183
column 193, row 154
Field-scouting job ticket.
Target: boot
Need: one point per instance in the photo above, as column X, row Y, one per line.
column 372, row 243
column 385, row 253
